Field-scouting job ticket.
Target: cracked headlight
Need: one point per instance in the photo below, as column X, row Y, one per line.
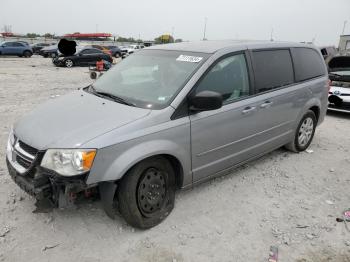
column 69, row 162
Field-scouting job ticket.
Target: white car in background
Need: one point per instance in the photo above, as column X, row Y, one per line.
column 339, row 93
column 132, row 48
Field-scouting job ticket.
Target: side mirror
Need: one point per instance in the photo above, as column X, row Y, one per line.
column 205, row 101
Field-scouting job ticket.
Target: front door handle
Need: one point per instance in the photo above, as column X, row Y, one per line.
column 266, row 104
column 248, row 109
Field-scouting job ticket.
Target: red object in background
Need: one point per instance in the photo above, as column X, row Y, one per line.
column 89, row 35
column 7, row 34
column 99, row 65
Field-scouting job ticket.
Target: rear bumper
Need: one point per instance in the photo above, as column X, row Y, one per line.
column 339, row 103
column 345, row 108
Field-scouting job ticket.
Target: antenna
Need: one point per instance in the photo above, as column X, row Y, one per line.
column 205, row 27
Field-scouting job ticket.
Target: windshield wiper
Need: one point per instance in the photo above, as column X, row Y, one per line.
column 110, row 96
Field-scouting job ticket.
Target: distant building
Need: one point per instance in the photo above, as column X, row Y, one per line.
column 344, row 44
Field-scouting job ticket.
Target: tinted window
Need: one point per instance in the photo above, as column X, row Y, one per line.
column 308, row 63
column 229, row 77
column 91, row 51
column 272, row 69
column 17, row 44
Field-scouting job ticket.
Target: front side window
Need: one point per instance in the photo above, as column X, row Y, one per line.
column 150, row 78
column 229, row 77
column 272, row 69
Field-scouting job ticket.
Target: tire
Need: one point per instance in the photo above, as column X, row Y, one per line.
column 117, row 55
column 93, row 75
column 306, row 128
column 146, row 194
column 53, row 55
column 27, row 53
column 68, row 63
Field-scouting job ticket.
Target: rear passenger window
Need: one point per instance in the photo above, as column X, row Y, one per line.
column 308, row 63
column 272, row 69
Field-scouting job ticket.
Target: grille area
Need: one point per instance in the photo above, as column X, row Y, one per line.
column 23, row 162
column 28, row 148
column 24, row 155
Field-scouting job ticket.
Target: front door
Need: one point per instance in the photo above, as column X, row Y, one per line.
column 227, row 136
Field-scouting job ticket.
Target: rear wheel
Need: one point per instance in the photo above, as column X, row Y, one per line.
column 146, row 194
column 117, row 55
column 304, row 134
column 53, row 55
column 27, row 53
column 68, row 63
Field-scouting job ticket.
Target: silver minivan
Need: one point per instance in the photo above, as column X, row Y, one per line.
column 169, row 117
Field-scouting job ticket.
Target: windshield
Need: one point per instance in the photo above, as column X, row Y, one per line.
column 150, row 78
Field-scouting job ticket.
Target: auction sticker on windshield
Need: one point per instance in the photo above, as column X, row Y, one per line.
column 188, row 58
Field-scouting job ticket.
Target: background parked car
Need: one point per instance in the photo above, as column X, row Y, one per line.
column 84, row 57
column 16, row 48
column 132, row 48
column 49, row 51
column 38, row 46
column 339, row 93
column 116, row 51
column 100, row 47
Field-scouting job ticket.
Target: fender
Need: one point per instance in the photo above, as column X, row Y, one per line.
column 310, row 103
column 130, row 155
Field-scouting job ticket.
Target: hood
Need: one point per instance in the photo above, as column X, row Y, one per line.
column 72, row 120
column 339, row 63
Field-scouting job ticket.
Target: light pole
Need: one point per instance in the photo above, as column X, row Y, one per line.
column 271, row 35
column 345, row 22
column 205, row 27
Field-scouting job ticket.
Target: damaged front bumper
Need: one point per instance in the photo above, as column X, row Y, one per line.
column 45, row 184
column 23, row 163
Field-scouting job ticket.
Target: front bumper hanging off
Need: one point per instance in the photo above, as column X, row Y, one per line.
column 61, row 191
column 46, row 185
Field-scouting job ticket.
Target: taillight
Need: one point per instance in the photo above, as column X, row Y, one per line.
column 329, row 85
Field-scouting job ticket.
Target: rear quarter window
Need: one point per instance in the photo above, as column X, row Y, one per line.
column 308, row 63
column 272, row 69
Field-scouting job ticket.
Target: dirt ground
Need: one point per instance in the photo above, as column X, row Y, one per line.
column 283, row 199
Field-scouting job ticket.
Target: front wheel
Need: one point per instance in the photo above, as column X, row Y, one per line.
column 68, row 63
column 27, row 54
column 146, row 194
column 304, row 133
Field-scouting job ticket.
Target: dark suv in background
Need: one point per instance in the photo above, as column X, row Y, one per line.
column 38, row 46
column 16, row 48
column 84, row 57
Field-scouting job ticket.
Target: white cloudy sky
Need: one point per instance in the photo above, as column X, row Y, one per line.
column 291, row 20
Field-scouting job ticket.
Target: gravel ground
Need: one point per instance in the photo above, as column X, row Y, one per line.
column 282, row 199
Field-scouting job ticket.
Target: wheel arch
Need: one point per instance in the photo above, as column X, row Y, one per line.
column 178, row 158
column 314, row 105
